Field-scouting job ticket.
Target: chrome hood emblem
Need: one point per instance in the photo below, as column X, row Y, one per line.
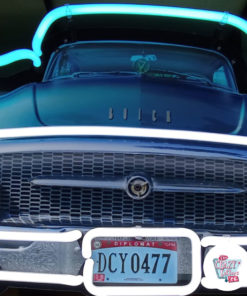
column 138, row 187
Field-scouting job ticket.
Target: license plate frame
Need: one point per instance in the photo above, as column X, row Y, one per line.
column 147, row 290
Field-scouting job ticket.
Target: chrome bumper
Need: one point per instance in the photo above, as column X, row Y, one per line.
column 53, row 257
column 36, row 256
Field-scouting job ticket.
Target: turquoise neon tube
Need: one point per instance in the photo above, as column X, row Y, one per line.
column 130, row 9
column 133, row 9
column 20, row 54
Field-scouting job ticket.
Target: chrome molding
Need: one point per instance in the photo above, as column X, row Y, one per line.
column 121, row 183
column 195, row 186
column 81, row 182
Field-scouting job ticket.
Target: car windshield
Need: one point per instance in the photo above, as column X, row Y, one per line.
column 144, row 59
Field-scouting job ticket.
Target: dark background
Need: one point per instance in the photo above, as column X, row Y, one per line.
column 20, row 18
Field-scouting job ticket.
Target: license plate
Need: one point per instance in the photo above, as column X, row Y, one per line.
column 132, row 261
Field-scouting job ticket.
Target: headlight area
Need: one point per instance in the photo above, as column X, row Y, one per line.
column 123, row 261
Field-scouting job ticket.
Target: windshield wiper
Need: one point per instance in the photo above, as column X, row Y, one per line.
column 105, row 73
column 199, row 78
column 151, row 74
column 177, row 75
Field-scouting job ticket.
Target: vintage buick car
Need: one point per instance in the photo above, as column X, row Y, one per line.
column 124, row 172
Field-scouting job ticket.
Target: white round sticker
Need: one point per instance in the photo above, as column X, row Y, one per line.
column 225, row 267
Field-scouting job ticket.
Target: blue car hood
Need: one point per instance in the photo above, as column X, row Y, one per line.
column 139, row 102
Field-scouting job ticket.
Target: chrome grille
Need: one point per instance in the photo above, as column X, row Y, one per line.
column 22, row 203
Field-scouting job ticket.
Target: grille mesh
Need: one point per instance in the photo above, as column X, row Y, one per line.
column 21, row 203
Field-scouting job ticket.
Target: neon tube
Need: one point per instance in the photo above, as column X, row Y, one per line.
column 43, row 278
column 51, row 236
column 130, row 132
column 141, row 290
column 215, row 240
column 133, row 9
column 20, row 54
column 129, row 9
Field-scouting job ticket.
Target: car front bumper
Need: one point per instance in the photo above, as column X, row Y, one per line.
column 64, row 258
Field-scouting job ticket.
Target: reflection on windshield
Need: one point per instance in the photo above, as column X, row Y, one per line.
column 143, row 59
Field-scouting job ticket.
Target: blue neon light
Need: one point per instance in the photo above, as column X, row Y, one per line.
column 20, row 54
column 134, row 9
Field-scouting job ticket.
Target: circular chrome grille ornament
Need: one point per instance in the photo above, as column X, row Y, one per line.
column 138, row 187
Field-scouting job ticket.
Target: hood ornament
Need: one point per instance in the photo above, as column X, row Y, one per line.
column 138, row 187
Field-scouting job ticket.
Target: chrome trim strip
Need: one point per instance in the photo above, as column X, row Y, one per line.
column 121, row 183
column 241, row 119
column 195, row 186
column 82, row 182
column 105, row 131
